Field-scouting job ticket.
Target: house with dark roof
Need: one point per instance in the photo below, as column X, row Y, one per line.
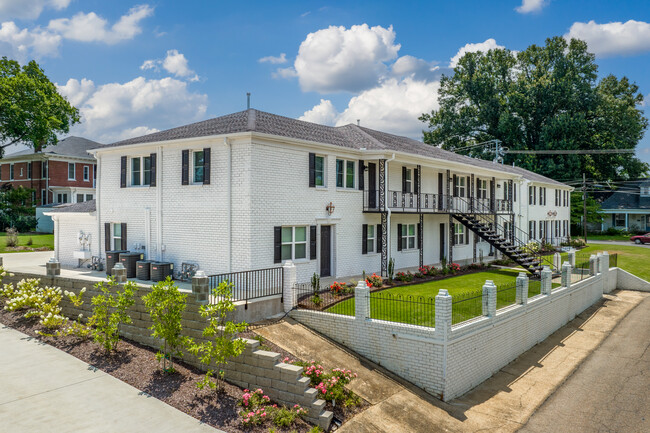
column 628, row 208
column 64, row 173
column 252, row 190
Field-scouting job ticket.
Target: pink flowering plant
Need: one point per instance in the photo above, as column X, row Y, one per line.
column 454, row 267
column 330, row 385
column 257, row 410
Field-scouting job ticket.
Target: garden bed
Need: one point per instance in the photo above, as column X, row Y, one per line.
column 136, row 365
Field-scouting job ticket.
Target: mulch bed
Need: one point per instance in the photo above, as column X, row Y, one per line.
column 136, row 365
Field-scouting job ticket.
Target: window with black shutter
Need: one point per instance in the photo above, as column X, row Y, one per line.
column 123, row 172
column 364, row 239
column 379, row 237
column 312, row 242
column 153, row 163
column 277, row 244
column 185, row 167
column 206, row 166
column 312, row 170
column 362, row 170
column 399, row 237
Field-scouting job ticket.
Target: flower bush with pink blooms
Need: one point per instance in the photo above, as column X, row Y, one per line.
column 330, row 386
column 454, row 267
column 257, row 409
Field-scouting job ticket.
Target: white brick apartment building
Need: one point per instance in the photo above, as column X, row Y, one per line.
column 251, row 189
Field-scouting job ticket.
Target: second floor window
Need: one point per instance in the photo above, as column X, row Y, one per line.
column 532, row 191
column 140, row 171
column 459, row 188
column 198, row 163
column 71, row 171
column 482, row 189
column 44, row 169
column 29, row 170
column 319, row 164
column 344, row 173
column 86, row 173
column 11, row 172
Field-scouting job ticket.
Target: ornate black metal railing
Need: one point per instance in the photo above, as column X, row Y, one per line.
column 249, row 285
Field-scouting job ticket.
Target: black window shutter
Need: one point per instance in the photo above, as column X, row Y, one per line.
column 277, row 244
column 124, row 244
column 419, row 235
column 364, row 239
column 206, row 166
column 468, row 183
column 362, row 169
column 514, row 192
column 466, row 232
column 107, row 236
column 478, row 189
column 312, row 242
column 378, row 237
column 416, row 184
column 123, row 172
column 399, row 237
column 404, row 179
column 455, row 183
column 312, row 170
column 152, row 158
column 185, row 167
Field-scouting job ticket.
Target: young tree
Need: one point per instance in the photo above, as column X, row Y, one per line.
column 220, row 344
column 31, row 109
column 543, row 98
column 166, row 304
column 110, row 311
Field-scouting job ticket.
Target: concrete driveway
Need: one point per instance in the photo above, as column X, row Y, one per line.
column 609, row 392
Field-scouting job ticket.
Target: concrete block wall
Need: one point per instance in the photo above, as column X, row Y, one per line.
column 253, row 369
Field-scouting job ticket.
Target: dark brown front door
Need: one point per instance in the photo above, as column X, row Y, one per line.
column 325, row 251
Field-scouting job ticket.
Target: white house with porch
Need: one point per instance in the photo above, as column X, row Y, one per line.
column 251, row 190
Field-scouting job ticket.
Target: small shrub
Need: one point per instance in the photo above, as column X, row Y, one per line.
column 338, row 288
column 165, row 305
column 316, row 299
column 257, row 410
column 30, row 241
column 110, row 311
column 404, row 276
column 375, row 280
column 315, row 282
column 11, row 239
column 391, row 269
column 332, row 388
column 454, row 268
column 531, row 247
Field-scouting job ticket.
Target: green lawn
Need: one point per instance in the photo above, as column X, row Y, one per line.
column 631, row 258
column 38, row 241
column 591, row 237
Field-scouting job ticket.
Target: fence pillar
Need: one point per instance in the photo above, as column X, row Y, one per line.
column 443, row 314
column 572, row 258
column 566, row 275
column 489, row 299
column 546, row 283
column 522, row 289
column 593, row 265
column 288, row 281
column 119, row 272
column 361, row 301
column 53, row 268
column 599, row 262
column 604, row 265
column 557, row 261
column 201, row 287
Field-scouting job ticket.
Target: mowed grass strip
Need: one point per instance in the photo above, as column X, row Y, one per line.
column 38, row 240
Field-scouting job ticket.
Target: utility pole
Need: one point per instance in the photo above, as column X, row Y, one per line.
column 584, row 206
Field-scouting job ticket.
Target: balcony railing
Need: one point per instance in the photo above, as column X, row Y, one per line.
column 407, row 202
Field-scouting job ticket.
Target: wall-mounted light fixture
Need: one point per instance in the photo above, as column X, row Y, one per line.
column 330, row 209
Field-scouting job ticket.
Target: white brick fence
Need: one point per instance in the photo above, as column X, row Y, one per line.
column 447, row 360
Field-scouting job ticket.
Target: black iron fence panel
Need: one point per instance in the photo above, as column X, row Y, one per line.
column 337, row 298
column 412, row 310
column 466, row 306
column 506, row 295
column 247, row 285
column 613, row 260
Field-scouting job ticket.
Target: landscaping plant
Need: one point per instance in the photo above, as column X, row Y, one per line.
column 391, row 269
column 11, row 239
column 165, row 305
column 375, row 281
column 75, row 327
column 219, row 344
column 257, row 409
column 110, row 311
column 330, row 386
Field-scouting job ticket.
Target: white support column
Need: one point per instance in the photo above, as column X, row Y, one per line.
column 572, row 258
column 489, row 299
column 288, row 294
column 557, row 261
column 443, row 314
column 566, row 275
column 547, row 277
column 361, row 301
column 593, row 264
column 522, row 289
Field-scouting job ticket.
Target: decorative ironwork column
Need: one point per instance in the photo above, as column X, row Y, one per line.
column 382, row 185
column 419, row 184
column 509, row 198
column 471, row 200
column 493, row 198
column 449, row 203
column 421, row 240
column 384, row 218
column 450, row 256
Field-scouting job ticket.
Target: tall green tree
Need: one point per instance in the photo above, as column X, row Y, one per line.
column 543, row 98
column 32, row 111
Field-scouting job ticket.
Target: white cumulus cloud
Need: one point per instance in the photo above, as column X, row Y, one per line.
column 28, row 9
column 22, row 44
column 91, row 27
column 114, row 111
column 488, row 45
column 282, row 58
column 339, row 59
column 175, row 63
column 528, row 6
column 615, row 38
column 393, row 106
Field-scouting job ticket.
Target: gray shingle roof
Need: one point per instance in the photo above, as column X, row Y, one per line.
column 627, row 197
column 86, row 206
column 69, row 146
column 348, row 136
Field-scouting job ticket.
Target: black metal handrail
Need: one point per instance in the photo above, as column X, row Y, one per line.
column 432, row 203
column 249, row 285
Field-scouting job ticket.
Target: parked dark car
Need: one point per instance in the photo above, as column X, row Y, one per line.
column 641, row 239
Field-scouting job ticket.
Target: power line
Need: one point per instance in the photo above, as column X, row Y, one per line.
column 569, row 152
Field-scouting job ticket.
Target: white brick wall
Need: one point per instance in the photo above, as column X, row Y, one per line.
column 66, row 236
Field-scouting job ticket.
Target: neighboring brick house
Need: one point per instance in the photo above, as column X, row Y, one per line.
column 250, row 190
column 65, row 173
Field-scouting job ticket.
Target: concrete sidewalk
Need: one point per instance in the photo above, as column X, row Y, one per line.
column 43, row 389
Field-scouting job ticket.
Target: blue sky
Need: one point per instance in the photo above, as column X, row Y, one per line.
column 134, row 68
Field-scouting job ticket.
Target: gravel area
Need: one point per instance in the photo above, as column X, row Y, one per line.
column 136, row 365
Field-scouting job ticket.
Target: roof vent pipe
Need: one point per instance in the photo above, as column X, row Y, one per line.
column 248, row 100
column 358, row 122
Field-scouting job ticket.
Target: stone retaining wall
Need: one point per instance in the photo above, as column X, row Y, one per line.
column 253, row 369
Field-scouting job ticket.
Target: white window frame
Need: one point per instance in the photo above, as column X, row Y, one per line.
column 347, row 163
column 293, row 243
column 459, row 234
column 409, row 241
column 86, row 173
column 370, row 238
column 531, row 230
column 323, row 171
column 408, row 181
column 114, row 238
column 195, row 166
column 459, row 188
column 141, row 175
column 62, row 197
column 616, row 222
column 483, row 189
column 74, row 171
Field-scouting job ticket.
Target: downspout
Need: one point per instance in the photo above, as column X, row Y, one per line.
column 387, row 207
column 229, row 201
column 159, row 211
column 97, row 206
